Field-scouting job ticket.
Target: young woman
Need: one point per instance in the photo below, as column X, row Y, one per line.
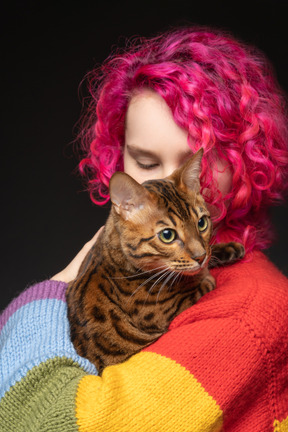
column 223, row 364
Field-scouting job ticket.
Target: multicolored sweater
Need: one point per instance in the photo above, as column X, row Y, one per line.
column 222, row 366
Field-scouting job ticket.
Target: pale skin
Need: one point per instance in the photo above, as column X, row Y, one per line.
column 154, row 147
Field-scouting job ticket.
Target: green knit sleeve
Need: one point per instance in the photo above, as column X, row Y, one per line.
column 44, row 400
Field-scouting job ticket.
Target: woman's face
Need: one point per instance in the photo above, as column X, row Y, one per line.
column 155, row 145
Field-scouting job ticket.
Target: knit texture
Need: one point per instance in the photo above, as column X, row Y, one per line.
column 222, row 366
column 43, row 400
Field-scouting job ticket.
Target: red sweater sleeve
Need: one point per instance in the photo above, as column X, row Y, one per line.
column 222, row 364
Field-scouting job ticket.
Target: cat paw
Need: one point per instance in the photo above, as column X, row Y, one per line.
column 208, row 284
column 226, row 253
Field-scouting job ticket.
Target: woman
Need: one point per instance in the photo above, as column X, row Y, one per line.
column 223, row 365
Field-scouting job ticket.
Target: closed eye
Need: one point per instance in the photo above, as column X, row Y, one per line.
column 146, row 166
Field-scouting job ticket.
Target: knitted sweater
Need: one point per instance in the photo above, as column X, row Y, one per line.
column 222, row 366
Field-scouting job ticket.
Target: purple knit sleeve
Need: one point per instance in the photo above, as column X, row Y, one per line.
column 48, row 289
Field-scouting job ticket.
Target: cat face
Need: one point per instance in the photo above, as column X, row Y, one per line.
column 163, row 223
column 171, row 234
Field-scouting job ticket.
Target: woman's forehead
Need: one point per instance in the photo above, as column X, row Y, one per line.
column 150, row 126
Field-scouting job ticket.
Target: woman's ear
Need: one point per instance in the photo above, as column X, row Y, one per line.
column 127, row 196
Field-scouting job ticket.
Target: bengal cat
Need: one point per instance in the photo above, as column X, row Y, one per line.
column 149, row 264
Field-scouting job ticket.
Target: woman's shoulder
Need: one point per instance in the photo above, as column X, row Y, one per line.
column 256, row 285
column 246, row 313
column 252, row 291
column 254, row 281
column 234, row 340
column 256, row 268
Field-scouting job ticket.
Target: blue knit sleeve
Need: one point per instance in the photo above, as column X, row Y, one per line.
column 33, row 329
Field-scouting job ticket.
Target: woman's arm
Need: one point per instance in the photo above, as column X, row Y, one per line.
column 214, row 363
column 46, row 386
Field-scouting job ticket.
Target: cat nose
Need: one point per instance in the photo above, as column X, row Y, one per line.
column 200, row 258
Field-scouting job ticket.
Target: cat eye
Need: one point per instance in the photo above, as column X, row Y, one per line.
column 167, row 235
column 202, row 224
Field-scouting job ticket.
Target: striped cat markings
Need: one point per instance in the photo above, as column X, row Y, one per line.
column 148, row 265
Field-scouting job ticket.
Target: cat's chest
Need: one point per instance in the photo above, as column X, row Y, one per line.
column 151, row 308
column 148, row 306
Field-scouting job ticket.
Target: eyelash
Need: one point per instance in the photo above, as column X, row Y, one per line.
column 146, row 167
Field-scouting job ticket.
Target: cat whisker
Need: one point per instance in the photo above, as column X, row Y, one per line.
column 148, row 280
column 165, row 283
column 157, row 281
column 178, row 274
column 150, row 270
column 139, row 274
column 153, row 276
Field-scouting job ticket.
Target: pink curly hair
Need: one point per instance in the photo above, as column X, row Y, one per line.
column 225, row 95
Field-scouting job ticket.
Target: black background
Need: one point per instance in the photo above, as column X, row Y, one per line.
column 47, row 48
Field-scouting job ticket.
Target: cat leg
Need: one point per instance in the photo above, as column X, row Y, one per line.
column 206, row 285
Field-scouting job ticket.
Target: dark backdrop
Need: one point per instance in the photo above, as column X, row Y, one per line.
column 47, row 49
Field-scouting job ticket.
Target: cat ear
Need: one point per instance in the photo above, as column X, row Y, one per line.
column 191, row 171
column 127, row 196
column 188, row 175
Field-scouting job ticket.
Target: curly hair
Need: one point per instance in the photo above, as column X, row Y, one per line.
column 225, row 95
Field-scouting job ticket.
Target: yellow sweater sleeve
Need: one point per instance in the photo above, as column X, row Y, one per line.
column 149, row 392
